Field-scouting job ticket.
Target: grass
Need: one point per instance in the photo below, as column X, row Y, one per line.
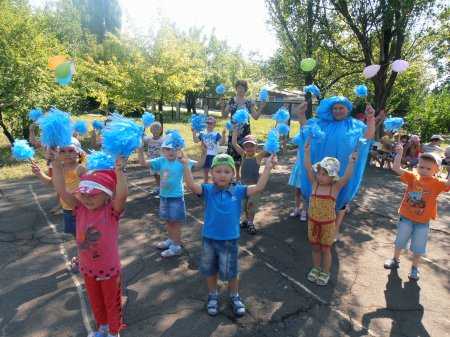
column 11, row 169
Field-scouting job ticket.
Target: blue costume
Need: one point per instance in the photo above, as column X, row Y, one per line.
column 338, row 139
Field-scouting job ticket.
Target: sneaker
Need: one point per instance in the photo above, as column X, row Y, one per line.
column 174, row 250
column 303, row 215
column 98, row 334
column 323, row 278
column 164, row 244
column 237, row 306
column 213, row 304
column 391, row 264
column 313, row 274
column 155, row 191
column 414, row 274
column 294, row 213
column 75, row 265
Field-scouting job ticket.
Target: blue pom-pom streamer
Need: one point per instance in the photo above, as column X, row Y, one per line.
column 21, row 150
column 56, row 128
column 174, row 139
column 393, row 124
column 148, row 119
column 121, row 136
column 80, row 127
column 313, row 90
column 241, row 116
column 198, row 122
column 297, row 140
column 313, row 130
column 229, row 126
column 283, row 129
column 220, row 89
column 282, row 115
column 35, row 114
column 272, row 144
column 97, row 125
column 264, row 95
column 99, row 160
column 361, row 90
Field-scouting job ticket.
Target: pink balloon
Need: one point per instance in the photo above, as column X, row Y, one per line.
column 399, row 66
column 371, row 71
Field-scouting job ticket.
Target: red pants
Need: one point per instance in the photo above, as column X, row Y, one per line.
column 105, row 298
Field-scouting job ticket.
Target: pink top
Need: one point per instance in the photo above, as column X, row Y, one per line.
column 97, row 241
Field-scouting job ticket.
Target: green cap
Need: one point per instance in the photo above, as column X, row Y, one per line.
column 223, row 159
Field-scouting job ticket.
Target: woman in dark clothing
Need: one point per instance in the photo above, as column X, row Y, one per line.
column 234, row 104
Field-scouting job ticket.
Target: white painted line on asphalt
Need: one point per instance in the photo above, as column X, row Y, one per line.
column 83, row 304
column 139, row 187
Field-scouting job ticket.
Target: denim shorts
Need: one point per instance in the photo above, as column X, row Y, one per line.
column 220, row 256
column 70, row 223
column 172, row 209
column 416, row 232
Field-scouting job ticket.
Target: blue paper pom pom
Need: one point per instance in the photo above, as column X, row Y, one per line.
column 99, row 160
column 220, row 89
column 198, row 122
column 80, row 127
column 283, row 129
column 97, row 125
column 297, row 139
column 272, row 144
column 313, row 130
column 35, row 114
column 313, row 90
column 361, row 90
column 241, row 116
column 393, row 124
column 229, row 126
column 21, row 150
column 148, row 119
column 282, row 115
column 56, row 128
column 121, row 136
column 173, row 140
column 264, row 95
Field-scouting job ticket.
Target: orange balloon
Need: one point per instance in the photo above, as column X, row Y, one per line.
column 55, row 61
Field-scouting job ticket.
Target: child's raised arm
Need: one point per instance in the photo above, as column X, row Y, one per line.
column 348, row 171
column 121, row 194
column 195, row 136
column 234, row 142
column 301, row 113
column 370, row 114
column 188, row 179
column 223, row 138
column 307, row 161
column 264, row 178
column 38, row 173
column 201, row 162
column 141, row 157
column 58, row 180
column 397, row 166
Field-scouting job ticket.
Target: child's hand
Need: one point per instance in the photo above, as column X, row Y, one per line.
column 121, row 164
column 272, row 161
column 399, row 149
column 370, row 111
column 35, row 169
column 183, row 158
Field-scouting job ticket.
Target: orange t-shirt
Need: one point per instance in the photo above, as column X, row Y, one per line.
column 419, row 202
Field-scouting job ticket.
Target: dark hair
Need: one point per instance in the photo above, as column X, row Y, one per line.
column 242, row 83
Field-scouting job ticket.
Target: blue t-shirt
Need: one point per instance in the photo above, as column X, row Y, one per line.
column 222, row 211
column 171, row 173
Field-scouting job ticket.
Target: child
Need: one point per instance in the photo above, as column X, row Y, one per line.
column 211, row 139
column 223, row 201
column 98, row 203
column 326, row 184
column 250, row 163
column 418, row 207
column 172, row 208
column 446, row 161
column 71, row 158
column 412, row 151
column 154, row 149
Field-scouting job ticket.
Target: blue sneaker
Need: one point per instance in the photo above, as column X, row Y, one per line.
column 238, row 306
column 213, row 304
column 98, row 334
column 414, row 274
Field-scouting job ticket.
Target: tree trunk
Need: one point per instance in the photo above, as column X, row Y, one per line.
column 5, row 130
column 160, row 105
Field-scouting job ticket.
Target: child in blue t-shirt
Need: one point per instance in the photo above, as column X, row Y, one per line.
column 172, row 208
column 221, row 226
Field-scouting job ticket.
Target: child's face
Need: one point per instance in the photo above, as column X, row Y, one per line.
column 240, row 90
column 427, row 168
column 169, row 154
column 222, row 175
column 340, row 112
column 92, row 202
column 210, row 126
column 250, row 148
column 323, row 178
column 69, row 155
column 156, row 131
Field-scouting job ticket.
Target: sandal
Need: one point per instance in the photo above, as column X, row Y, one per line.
column 237, row 306
column 213, row 304
column 313, row 275
column 323, row 279
column 251, row 229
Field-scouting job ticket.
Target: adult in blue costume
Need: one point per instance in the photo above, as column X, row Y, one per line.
column 334, row 133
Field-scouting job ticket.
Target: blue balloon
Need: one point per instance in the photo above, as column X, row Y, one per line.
column 99, row 160
column 220, row 89
column 56, row 128
column 21, row 150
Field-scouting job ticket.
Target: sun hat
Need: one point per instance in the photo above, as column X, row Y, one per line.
column 329, row 164
column 223, row 159
column 433, row 156
column 249, row 139
column 439, row 137
column 210, row 119
column 96, row 182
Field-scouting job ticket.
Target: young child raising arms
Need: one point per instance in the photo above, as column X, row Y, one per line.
column 326, row 184
column 220, row 233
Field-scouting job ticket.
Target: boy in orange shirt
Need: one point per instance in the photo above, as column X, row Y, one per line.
column 418, row 207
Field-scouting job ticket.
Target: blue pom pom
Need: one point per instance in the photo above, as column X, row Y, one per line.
column 220, row 89
column 264, row 95
column 148, row 119
column 21, row 150
column 198, row 122
column 313, row 90
column 297, row 140
column 56, row 128
column 283, row 129
column 241, row 116
column 99, row 160
column 121, row 136
column 97, row 125
column 393, row 124
column 272, row 144
column 80, row 127
column 173, row 140
column 35, row 114
column 282, row 115
column 313, row 130
column 361, row 90
column 229, row 126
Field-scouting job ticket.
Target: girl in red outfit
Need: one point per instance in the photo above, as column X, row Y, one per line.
column 98, row 203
